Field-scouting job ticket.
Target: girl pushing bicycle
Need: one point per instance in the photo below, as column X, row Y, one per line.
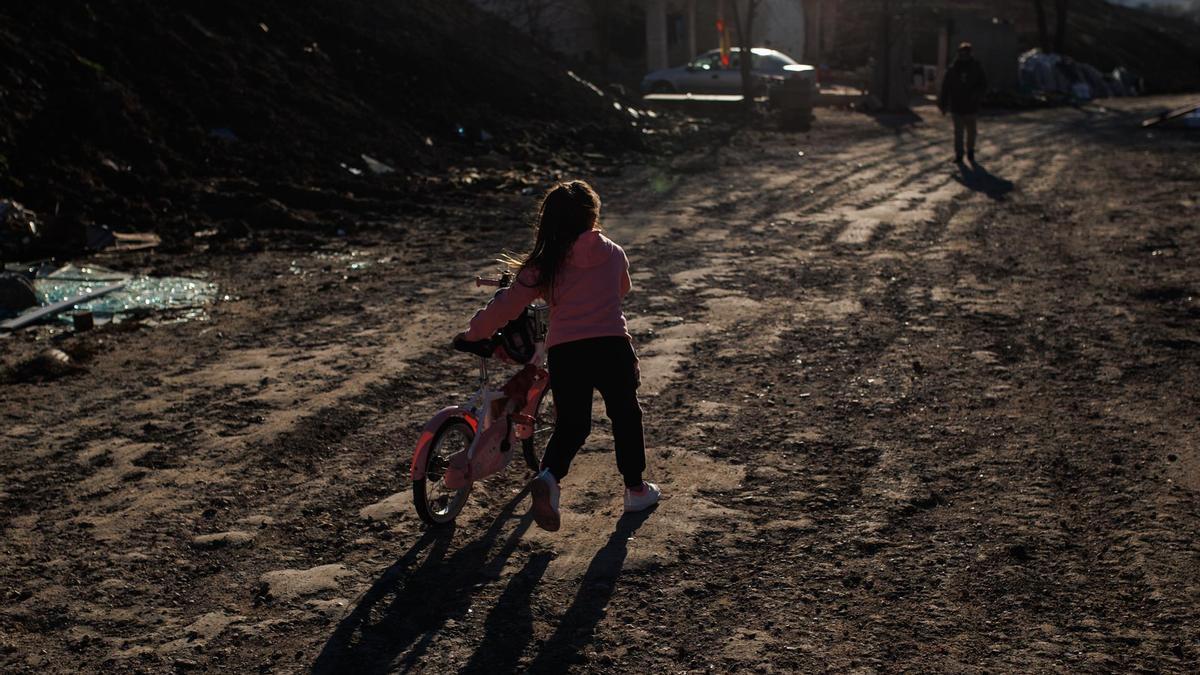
column 583, row 276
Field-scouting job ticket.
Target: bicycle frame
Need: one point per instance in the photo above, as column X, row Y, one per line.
column 490, row 412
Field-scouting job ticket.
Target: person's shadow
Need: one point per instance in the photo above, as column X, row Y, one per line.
column 509, row 626
column 578, row 624
column 975, row 177
column 407, row 607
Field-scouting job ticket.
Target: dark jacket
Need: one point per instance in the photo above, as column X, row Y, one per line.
column 963, row 87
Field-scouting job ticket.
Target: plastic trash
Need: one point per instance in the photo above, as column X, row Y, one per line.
column 18, row 228
column 223, row 134
column 183, row 296
column 1056, row 74
column 99, row 237
column 16, row 294
column 377, row 167
column 596, row 90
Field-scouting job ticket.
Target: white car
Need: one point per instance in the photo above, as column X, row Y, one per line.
column 705, row 74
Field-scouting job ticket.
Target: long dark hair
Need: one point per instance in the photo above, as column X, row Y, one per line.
column 567, row 211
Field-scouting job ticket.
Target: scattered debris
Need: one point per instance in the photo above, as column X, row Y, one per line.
column 138, row 294
column 107, row 295
column 18, row 228
column 135, row 241
column 16, row 293
column 58, row 307
column 49, row 364
column 1189, row 114
column 57, row 358
column 377, row 167
column 83, row 321
column 1061, row 76
column 224, row 134
column 101, row 238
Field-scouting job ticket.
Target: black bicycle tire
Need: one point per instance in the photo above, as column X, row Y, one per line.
column 419, row 495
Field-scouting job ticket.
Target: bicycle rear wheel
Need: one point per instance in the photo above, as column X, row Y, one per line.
column 437, row 504
column 543, row 427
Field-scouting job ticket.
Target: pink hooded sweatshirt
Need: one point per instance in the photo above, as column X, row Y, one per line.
column 587, row 295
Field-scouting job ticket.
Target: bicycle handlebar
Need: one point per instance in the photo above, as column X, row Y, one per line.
column 484, row 348
column 504, row 281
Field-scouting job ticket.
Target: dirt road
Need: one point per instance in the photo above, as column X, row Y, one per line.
column 907, row 417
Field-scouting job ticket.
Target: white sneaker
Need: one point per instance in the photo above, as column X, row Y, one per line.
column 640, row 500
column 544, row 489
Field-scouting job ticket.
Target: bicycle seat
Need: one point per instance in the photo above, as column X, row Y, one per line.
column 484, row 348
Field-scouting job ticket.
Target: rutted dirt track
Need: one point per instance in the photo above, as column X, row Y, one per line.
column 907, row 419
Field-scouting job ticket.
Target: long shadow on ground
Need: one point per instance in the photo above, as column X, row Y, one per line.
column 406, row 607
column 509, row 626
column 578, row 624
column 977, row 178
column 898, row 122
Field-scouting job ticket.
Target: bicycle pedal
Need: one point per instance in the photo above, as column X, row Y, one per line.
column 523, row 426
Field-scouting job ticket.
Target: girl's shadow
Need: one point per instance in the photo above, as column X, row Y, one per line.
column 407, row 607
column 578, row 624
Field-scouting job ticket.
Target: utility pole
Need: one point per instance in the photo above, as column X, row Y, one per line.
column 1061, row 9
column 745, row 28
column 886, row 62
column 1043, row 31
column 890, row 83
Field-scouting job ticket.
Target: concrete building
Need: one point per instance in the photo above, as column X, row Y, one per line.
column 996, row 46
column 566, row 26
column 675, row 30
column 937, row 33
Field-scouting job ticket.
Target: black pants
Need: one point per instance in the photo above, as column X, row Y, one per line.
column 965, row 125
column 577, row 368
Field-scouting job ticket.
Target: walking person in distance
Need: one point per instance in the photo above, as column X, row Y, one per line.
column 962, row 92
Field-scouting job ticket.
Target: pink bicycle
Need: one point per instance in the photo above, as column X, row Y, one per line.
column 466, row 443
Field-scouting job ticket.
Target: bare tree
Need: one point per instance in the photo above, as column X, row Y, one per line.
column 893, row 47
column 1043, row 30
column 1061, row 8
column 529, row 15
column 745, row 29
column 611, row 23
column 602, row 20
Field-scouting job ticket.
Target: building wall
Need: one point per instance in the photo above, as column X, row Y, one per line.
column 563, row 25
column 995, row 46
column 820, row 28
column 780, row 25
column 569, row 27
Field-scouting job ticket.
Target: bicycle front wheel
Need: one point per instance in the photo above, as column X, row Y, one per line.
column 437, row 504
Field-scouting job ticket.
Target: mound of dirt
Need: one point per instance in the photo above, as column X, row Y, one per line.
column 258, row 113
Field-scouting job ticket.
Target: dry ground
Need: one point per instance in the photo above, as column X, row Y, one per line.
column 907, row 418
